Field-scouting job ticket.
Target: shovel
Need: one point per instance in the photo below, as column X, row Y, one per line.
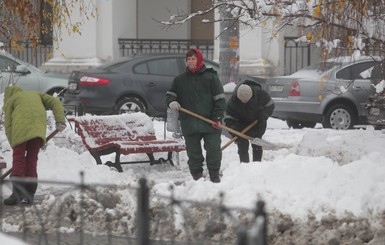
column 10, row 170
column 236, row 137
column 255, row 141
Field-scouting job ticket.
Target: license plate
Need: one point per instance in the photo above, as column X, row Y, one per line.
column 276, row 88
column 72, row 87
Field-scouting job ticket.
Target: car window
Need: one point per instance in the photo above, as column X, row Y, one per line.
column 211, row 65
column 378, row 72
column 356, row 71
column 7, row 64
column 141, row 68
column 120, row 64
column 166, row 67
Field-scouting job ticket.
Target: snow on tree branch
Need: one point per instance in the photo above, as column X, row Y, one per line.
column 320, row 21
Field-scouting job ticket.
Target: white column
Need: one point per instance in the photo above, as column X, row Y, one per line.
column 98, row 41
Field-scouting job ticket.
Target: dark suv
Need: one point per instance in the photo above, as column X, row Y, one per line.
column 136, row 83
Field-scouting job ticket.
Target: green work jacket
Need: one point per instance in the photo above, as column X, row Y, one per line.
column 201, row 93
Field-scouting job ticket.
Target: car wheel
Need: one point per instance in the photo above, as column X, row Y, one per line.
column 130, row 105
column 339, row 116
column 300, row 124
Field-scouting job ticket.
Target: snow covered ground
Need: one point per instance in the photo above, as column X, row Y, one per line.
column 318, row 184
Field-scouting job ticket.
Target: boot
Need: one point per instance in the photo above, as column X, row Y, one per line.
column 214, row 175
column 244, row 157
column 29, row 195
column 196, row 173
column 257, row 154
column 15, row 197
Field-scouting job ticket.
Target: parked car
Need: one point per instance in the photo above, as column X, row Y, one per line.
column 136, row 83
column 376, row 107
column 333, row 93
column 28, row 77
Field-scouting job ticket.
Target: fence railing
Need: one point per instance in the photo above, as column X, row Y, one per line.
column 83, row 213
column 25, row 51
column 296, row 56
column 129, row 47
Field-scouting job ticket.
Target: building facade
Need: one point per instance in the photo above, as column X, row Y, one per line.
column 139, row 20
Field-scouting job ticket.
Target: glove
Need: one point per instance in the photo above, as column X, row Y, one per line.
column 174, row 105
column 61, row 126
column 216, row 124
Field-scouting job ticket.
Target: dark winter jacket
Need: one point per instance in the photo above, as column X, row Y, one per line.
column 260, row 107
column 200, row 92
column 25, row 114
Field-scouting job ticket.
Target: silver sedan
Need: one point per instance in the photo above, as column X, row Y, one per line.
column 17, row 72
column 333, row 93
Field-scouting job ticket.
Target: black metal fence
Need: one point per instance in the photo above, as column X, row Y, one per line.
column 25, row 51
column 296, row 56
column 95, row 214
column 140, row 46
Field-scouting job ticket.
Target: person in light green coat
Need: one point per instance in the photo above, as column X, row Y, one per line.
column 25, row 122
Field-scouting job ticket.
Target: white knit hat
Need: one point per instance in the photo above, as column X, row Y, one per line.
column 244, row 93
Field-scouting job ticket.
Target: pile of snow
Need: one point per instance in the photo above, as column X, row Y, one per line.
column 320, row 186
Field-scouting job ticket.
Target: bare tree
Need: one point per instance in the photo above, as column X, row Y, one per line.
column 331, row 24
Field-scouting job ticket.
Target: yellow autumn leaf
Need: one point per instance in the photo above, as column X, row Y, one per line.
column 317, row 11
column 308, row 36
column 350, row 39
column 75, row 29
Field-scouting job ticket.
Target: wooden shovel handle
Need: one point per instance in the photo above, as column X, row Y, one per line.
column 221, row 126
column 236, row 137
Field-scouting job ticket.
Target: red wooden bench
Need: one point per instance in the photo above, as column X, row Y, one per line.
column 124, row 134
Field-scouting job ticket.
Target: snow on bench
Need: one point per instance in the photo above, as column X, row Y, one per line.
column 124, row 134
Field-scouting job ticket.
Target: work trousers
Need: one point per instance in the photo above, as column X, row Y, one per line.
column 212, row 145
column 243, row 145
column 25, row 157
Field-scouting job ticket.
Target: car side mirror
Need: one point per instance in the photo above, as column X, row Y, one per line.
column 21, row 69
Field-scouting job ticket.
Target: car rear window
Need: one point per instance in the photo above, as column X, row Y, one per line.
column 323, row 66
column 110, row 66
column 165, row 67
column 315, row 70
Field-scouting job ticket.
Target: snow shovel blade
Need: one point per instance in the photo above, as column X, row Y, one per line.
column 263, row 143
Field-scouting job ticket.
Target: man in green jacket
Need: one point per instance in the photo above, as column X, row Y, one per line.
column 25, row 123
column 248, row 103
column 199, row 90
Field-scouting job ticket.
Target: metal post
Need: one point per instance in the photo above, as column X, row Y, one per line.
column 143, row 214
column 262, row 237
column 82, row 207
column 228, row 47
column 242, row 237
column 1, row 201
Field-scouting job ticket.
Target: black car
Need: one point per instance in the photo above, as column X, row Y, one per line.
column 136, row 83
